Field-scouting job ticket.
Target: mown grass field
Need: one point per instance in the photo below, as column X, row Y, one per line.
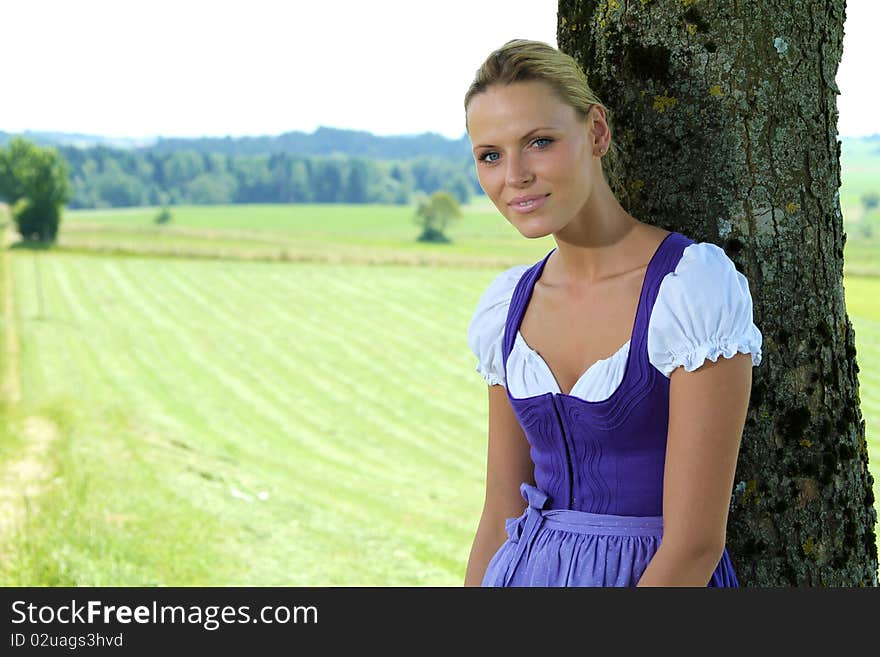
column 287, row 404
column 362, row 234
column 252, row 424
column 211, row 421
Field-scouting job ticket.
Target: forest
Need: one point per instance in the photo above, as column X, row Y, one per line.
column 326, row 166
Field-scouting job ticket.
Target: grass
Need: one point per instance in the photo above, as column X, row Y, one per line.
column 862, row 294
column 323, row 233
column 226, row 425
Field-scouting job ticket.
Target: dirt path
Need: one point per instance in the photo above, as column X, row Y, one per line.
column 11, row 390
column 25, row 477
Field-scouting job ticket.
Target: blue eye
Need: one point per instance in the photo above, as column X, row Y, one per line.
column 488, row 157
column 542, row 139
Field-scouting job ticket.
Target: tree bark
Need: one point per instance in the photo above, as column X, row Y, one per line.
column 726, row 114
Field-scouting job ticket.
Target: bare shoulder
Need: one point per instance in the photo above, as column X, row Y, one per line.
column 653, row 234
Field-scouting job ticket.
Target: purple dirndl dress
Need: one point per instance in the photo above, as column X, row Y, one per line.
column 594, row 517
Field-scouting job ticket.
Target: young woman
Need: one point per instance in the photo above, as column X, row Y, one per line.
column 618, row 366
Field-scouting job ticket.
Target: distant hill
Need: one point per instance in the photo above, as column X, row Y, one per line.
column 76, row 139
column 323, row 141
column 328, row 141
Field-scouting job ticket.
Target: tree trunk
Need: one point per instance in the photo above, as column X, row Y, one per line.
column 726, row 114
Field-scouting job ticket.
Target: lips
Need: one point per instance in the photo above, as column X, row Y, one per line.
column 528, row 203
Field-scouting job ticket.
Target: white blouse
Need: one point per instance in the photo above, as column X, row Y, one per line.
column 703, row 310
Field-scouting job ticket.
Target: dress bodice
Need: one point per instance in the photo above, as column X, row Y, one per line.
column 605, row 456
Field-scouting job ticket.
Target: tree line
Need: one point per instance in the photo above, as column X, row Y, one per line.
column 106, row 177
column 36, row 182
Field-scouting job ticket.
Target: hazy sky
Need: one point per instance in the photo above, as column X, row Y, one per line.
column 140, row 68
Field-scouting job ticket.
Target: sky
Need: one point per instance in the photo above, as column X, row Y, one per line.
column 188, row 68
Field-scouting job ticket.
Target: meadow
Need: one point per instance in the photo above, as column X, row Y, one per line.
column 263, row 395
column 214, row 420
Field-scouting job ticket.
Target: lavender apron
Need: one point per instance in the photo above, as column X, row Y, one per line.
column 594, row 517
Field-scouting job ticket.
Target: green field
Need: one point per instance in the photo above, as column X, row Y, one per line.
column 363, row 234
column 183, row 392
column 291, row 403
column 860, row 173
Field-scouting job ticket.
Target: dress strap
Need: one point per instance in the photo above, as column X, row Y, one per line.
column 665, row 261
column 518, row 302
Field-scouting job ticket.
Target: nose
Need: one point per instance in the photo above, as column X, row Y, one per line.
column 518, row 173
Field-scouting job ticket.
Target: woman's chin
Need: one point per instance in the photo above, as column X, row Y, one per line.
column 532, row 229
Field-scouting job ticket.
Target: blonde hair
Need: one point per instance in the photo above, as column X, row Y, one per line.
column 521, row 60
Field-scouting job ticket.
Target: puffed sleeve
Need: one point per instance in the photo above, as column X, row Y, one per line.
column 486, row 330
column 703, row 310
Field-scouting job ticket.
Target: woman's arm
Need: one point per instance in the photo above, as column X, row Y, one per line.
column 508, row 464
column 707, row 414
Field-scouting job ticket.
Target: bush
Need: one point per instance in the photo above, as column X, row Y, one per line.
column 163, row 217
column 34, row 181
column 434, row 214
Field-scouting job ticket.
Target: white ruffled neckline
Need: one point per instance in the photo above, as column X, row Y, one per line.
column 586, row 383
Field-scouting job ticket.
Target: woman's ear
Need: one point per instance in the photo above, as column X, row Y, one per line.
column 600, row 129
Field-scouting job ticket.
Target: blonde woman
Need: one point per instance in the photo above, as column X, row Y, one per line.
column 618, row 366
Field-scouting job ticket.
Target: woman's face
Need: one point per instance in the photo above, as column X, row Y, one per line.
column 534, row 155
